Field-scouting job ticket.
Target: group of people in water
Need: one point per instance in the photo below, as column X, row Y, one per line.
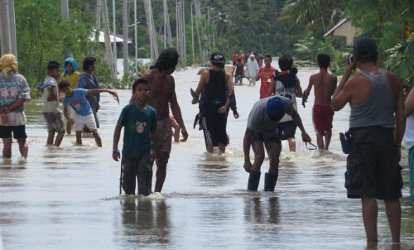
column 376, row 121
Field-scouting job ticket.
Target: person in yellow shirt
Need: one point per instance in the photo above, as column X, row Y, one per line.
column 71, row 74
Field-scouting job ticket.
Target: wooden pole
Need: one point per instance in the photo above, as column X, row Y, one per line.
column 7, row 27
column 136, row 33
column 192, row 34
column 115, row 49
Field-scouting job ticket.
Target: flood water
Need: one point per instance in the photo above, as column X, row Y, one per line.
column 67, row 198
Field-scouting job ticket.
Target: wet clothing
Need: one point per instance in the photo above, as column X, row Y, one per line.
column 89, row 81
column 138, row 128
column 73, row 79
column 322, row 116
column 260, row 120
column 214, row 96
column 54, row 121
column 162, row 141
column 78, row 101
column 372, row 166
column 19, row 132
column 266, row 75
column 12, row 89
column 409, row 144
column 137, row 169
column 379, row 109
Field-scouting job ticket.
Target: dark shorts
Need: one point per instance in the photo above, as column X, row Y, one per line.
column 287, row 130
column 19, row 132
column 266, row 138
column 54, row 122
column 137, row 169
column 373, row 169
column 162, row 141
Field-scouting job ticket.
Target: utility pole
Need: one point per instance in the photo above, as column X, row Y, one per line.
column 7, row 27
column 125, row 36
column 115, row 49
column 136, row 33
column 192, row 33
column 64, row 10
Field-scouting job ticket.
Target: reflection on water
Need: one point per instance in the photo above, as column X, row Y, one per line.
column 67, row 198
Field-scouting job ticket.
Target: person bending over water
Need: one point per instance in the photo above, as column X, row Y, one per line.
column 376, row 128
column 139, row 121
column 262, row 132
column 325, row 85
column 83, row 118
column 216, row 88
column 162, row 97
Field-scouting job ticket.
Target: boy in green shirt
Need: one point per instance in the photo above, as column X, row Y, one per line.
column 139, row 122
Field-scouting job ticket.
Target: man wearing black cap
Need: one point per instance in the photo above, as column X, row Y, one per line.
column 216, row 88
column 376, row 128
column 162, row 97
column 262, row 131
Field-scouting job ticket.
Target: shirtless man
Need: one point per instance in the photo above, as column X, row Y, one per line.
column 163, row 97
column 325, row 85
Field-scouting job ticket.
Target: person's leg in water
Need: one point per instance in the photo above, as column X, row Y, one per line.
column 369, row 214
column 7, row 148
column 161, row 159
column 320, row 140
column 254, row 175
column 50, row 137
column 68, row 127
column 97, row 137
column 144, row 175
column 129, row 173
column 273, row 151
column 328, row 137
column 292, row 144
column 59, row 138
column 23, row 147
column 78, row 137
column 393, row 210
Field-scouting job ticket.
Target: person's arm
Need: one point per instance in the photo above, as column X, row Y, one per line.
column 202, row 82
column 296, row 118
column 259, row 75
column 247, row 143
column 52, row 95
column 97, row 91
column 399, row 109
column 117, row 134
column 298, row 88
column 342, row 93
column 230, row 91
column 176, row 111
column 307, row 91
column 272, row 87
column 409, row 103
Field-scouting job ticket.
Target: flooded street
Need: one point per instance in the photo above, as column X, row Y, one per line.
column 67, row 198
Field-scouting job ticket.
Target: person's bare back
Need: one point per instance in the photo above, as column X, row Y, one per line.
column 325, row 85
column 162, row 90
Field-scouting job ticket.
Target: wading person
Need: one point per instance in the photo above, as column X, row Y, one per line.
column 262, row 132
column 139, row 121
column 216, row 88
column 251, row 69
column 14, row 92
column 88, row 80
column 72, row 75
column 83, row 117
column 376, row 128
column 409, row 137
column 162, row 98
column 287, row 84
column 51, row 112
column 322, row 114
column 266, row 75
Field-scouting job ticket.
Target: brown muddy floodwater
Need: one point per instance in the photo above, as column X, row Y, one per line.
column 68, row 198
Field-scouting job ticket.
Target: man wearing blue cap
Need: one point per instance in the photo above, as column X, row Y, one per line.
column 262, row 131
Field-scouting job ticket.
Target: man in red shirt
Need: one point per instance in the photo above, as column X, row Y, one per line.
column 266, row 75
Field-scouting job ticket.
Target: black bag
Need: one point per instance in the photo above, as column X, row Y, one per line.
column 345, row 139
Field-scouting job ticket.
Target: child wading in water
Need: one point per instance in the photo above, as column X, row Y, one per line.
column 51, row 112
column 76, row 98
column 140, row 122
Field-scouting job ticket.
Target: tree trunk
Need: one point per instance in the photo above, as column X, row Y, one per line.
column 125, row 32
